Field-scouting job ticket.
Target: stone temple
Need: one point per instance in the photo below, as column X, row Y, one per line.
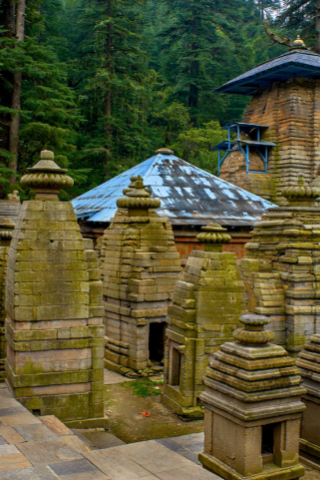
column 54, row 324
column 140, row 266
column 278, row 137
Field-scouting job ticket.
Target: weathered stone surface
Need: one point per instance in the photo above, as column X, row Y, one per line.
column 253, row 410
column 6, row 232
column 53, row 360
column 309, row 366
column 140, row 266
column 290, row 109
column 280, row 269
column 207, row 303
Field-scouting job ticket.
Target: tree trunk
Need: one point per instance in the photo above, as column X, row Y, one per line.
column 317, row 46
column 16, row 94
column 108, row 126
column 7, row 19
column 194, row 73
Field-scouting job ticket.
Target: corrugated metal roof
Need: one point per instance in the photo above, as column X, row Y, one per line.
column 188, row 194
column 295, row 63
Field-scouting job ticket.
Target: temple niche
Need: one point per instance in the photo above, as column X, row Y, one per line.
column 206, row 306
column 54, row 324
column 280, row 127
column 140, row 266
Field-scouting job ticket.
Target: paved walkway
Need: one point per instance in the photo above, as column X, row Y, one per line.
column 43, row 448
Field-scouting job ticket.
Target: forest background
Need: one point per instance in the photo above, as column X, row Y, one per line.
column 104, row 83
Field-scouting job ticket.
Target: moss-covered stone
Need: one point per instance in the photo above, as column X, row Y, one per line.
column 54, row 333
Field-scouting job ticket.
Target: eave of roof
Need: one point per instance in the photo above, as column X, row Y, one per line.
column 189, row 195
column 295, row 63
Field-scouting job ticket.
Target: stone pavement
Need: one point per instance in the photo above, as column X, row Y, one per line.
column 189, row 446
column 43, row 448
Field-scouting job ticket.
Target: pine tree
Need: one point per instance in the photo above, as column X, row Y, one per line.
column 303, row 17
column 203, row 46
column 41, row 105
column 115, row 87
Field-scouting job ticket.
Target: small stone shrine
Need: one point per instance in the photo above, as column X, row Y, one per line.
column 309, row 366
column 252, row 408
column 278, row 135
column 207, row 303
column 10, row 208
column 281, row 270
column 6, row 231
column 54, row 325
column 140, row 268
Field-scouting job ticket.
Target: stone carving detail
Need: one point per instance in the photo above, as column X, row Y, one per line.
column 252, row 408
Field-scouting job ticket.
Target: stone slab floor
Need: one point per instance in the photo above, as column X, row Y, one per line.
column 43, row 448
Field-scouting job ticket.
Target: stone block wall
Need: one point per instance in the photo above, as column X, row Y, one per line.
column 54, row 325
column 6, row 231
column 281, row 269
column 206, row 306
column 3, row 343
column 291, row 110
column 140, row 269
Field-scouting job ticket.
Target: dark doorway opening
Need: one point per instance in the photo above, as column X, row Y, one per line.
column 157, row 341
column 267, row 444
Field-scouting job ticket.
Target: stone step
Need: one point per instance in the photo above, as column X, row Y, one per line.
column 149, row 460
column 43, row 448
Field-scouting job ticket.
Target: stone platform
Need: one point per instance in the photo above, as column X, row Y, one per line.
column 43, row 448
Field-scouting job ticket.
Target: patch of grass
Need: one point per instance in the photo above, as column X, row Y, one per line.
column 144, row 387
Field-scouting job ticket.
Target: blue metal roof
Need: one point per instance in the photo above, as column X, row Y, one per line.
column 188, row 195
column 295, row 63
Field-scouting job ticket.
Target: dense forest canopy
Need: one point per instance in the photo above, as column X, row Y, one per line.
column 104, row 83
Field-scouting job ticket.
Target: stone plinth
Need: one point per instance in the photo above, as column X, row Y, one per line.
column 281, row 269
column 252, row 408
column 140, row 268
column 54, row 325
column 6, row 232
column 309, row 366
column 207, row 303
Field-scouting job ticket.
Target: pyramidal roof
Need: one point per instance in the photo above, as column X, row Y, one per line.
column 188, row 195
column 295, row 63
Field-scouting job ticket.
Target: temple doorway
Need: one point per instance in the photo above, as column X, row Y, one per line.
column 157, row 342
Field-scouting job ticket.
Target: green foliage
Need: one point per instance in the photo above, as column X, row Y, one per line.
column 195, row 145
column 144, row 387
column 107, row 82
column 299, row 17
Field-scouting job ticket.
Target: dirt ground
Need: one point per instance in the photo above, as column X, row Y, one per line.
column 123, row 407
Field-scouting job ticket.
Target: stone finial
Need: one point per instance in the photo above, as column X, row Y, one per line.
column 46, row 177
column 6, row 228
column 14, row 196
column 213, row 236
column 303, row 192
column 138, row 196
column 253, row 333
column 164, row 151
